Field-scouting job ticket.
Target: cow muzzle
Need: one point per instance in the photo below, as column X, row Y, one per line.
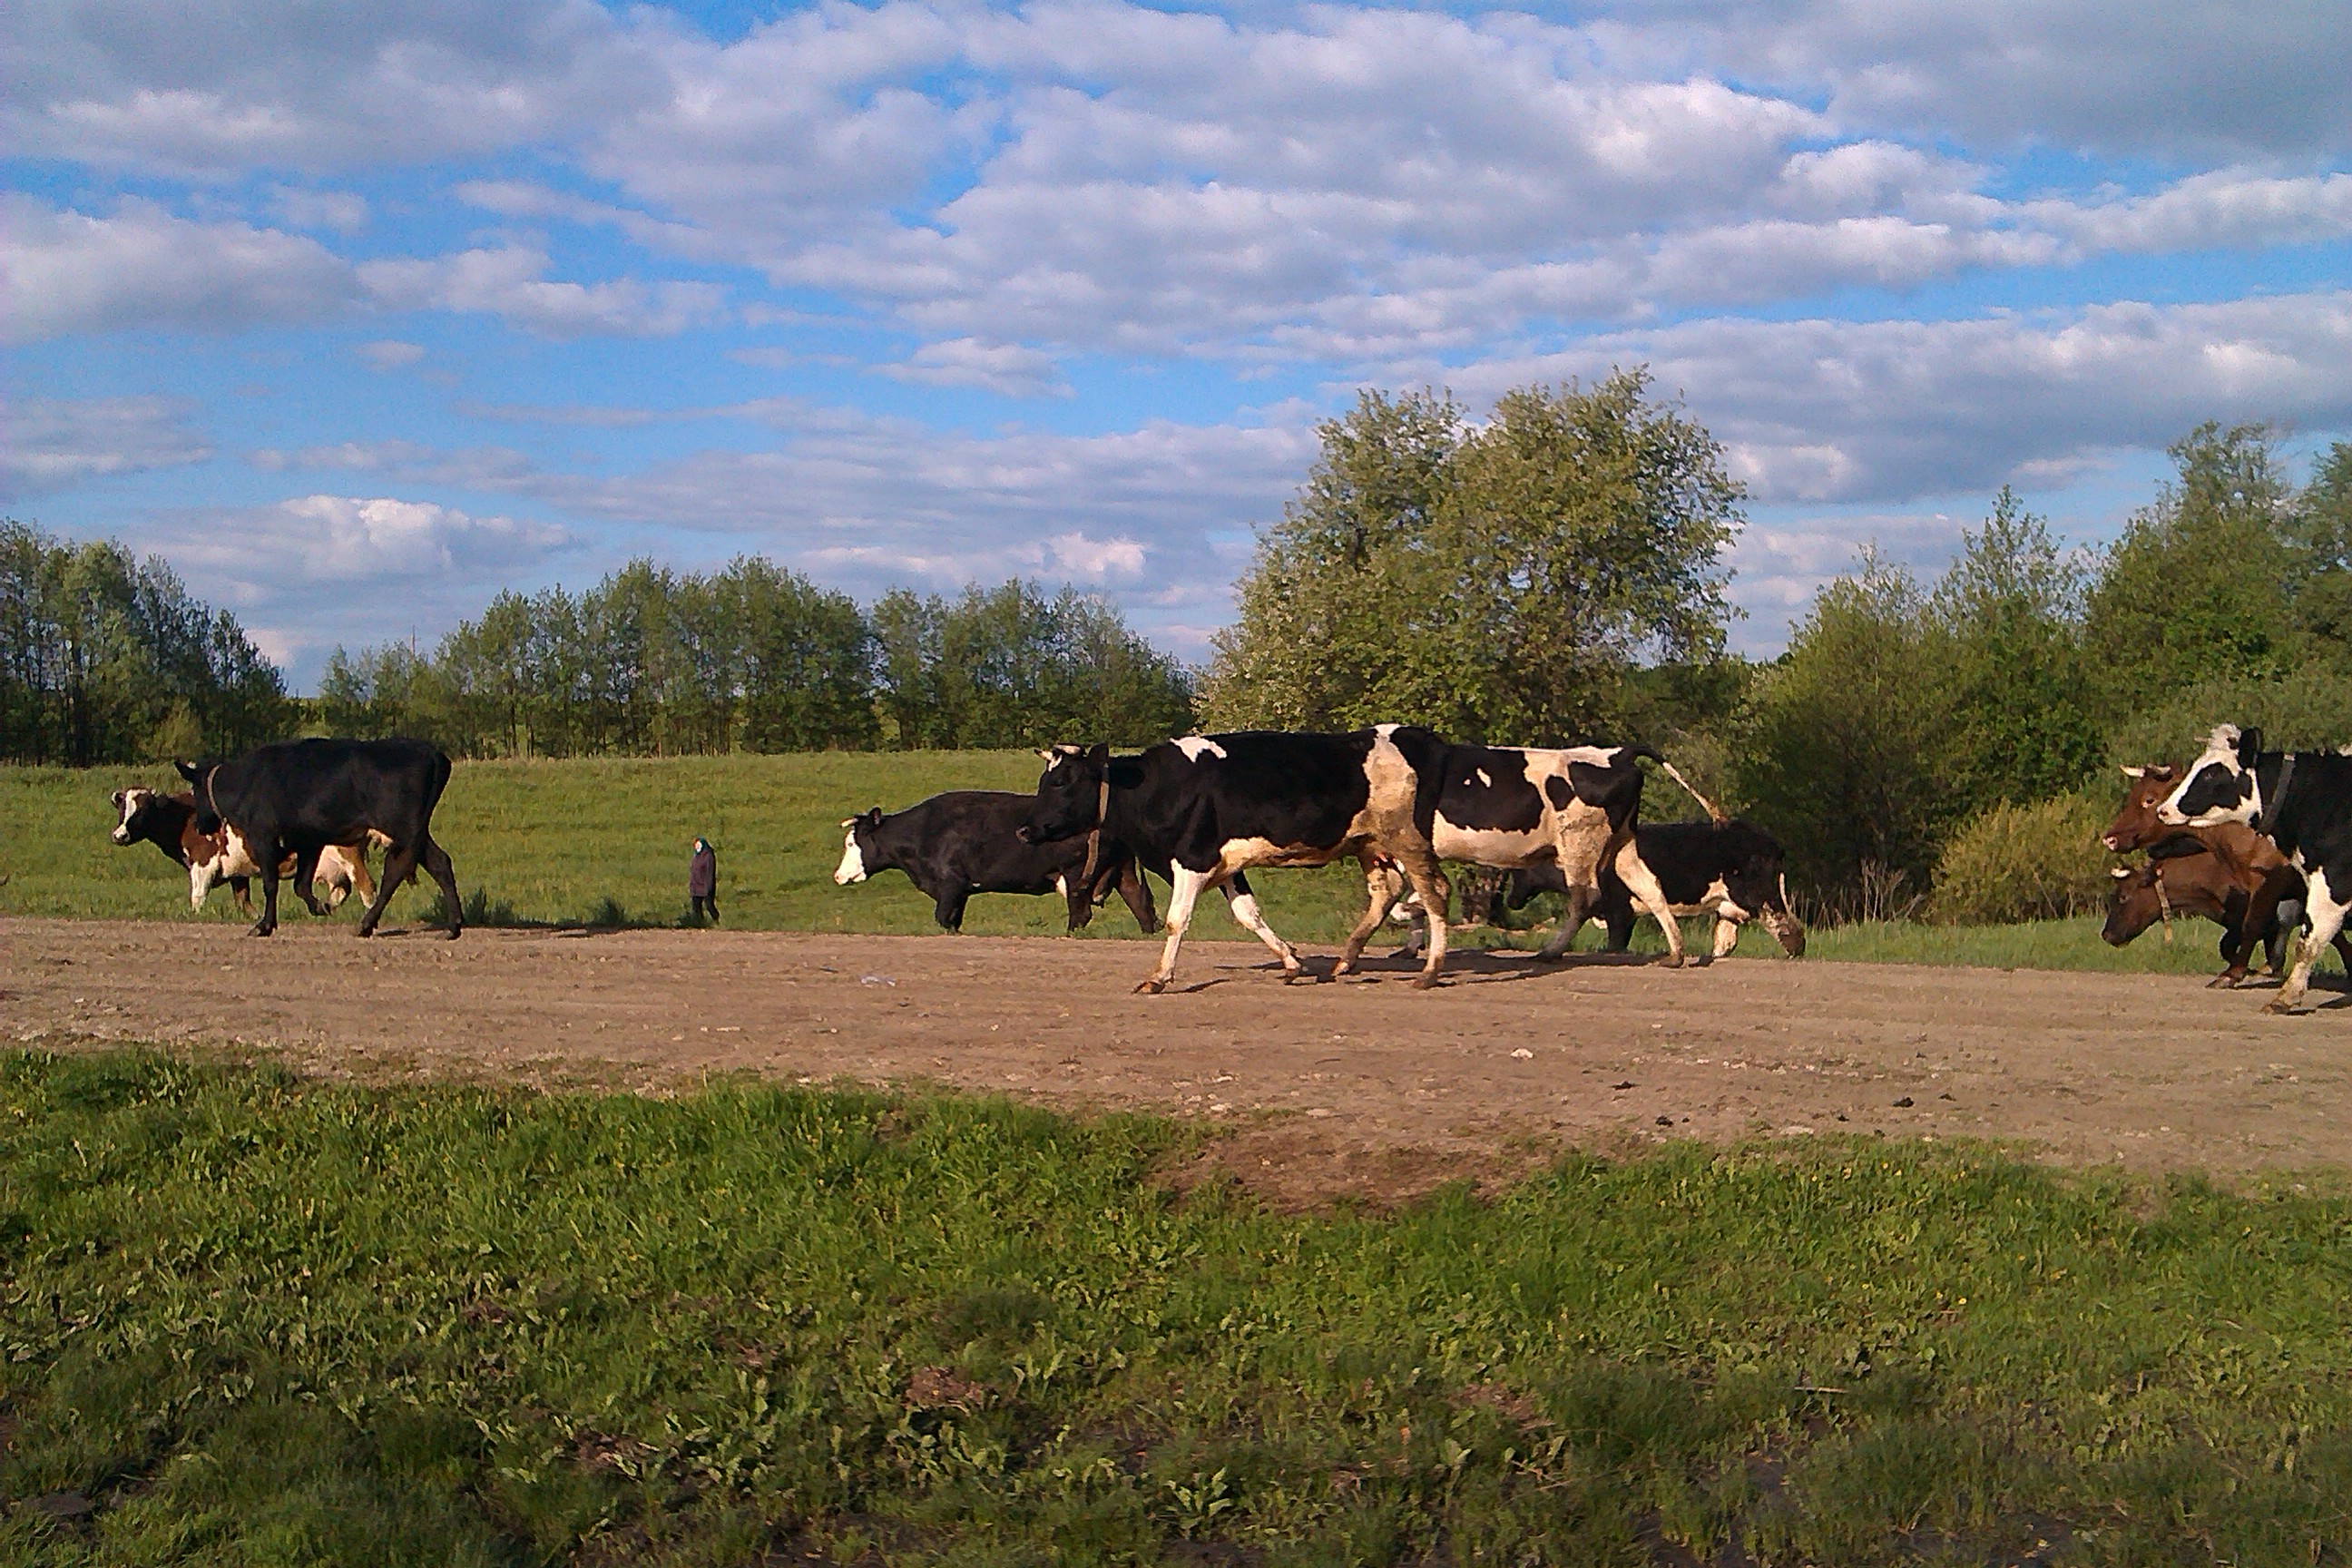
column 121, row 834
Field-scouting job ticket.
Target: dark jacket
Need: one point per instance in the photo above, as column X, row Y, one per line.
column 702, row 874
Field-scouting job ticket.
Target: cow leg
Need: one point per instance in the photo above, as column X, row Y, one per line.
column 947, row 908
column 398, row 861
column 436, row 865
column 1078, row 901
column 1137, row 892
column 1382, row 886
column 1643, row 883
column 1185, row 888
column 1621, row 932
column 269, row 858
column 1572, row 921
column 2325, row 912
column 1243, row 904
column 1727, row 936
column 2262, row 912
column 306, row 873
column 1436, row 897
column 363, row 884
column 241, row 889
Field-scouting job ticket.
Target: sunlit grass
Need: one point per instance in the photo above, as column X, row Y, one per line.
column 246, row 1319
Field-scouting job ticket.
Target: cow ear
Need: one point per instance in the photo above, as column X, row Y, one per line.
column 118, row 800
column 188, row 771
column 874, row 817
column 2250, row 746
column 1099, row 752
column 1048, row 755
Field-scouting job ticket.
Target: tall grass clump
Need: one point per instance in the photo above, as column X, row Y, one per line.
column 2014, row 863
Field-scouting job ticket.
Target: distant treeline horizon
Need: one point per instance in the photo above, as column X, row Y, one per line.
column 1553, row 576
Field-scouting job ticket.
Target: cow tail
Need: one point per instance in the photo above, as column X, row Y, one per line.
column 1715, row 812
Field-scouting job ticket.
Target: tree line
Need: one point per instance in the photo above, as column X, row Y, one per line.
column 107, row 658
column 651, row 662
column 1556, row 576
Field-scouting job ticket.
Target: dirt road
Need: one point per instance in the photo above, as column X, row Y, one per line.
column 1389, row 1089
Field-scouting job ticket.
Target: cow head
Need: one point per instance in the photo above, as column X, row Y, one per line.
column 2220, row 785
column 853, row 854
column 2133, row 902
column 2137, row 826
column 130, row 814
column 1754, row 879
column 1070, row 794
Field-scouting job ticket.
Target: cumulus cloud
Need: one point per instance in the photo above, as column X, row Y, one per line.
column 51, row 444
column 1006, row 368
column 1832, row 410
column 345, row 212
column 390, row 354
column 68, row 272
column 509, row 282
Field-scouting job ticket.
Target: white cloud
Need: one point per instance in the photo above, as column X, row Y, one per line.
column 1832, row 410
column 509, row 282
column 345, row 212
column 1003, row 368
column 66, row 273
column 51, row 444
column 390, row 354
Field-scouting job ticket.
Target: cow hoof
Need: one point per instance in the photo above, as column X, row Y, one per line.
column 2284, row 1010
column 1426, row 981
column 260, row 927
column 1152, row 987
column 2223, row 983
column 1674, row 960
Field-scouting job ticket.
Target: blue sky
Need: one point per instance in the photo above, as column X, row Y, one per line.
column 359, row 313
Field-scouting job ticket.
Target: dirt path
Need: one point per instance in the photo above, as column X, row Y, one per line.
column 1392, row 1089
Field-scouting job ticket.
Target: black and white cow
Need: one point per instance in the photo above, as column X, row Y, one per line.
column 1573, row 809
column 1213, row 806
column 1731, row 869
column 968, row 841
column 297, row 797
column 2301, row 801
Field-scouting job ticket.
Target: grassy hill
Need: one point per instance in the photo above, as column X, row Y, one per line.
column 606, row 840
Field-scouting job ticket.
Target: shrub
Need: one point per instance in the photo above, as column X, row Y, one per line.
column 2033, row 862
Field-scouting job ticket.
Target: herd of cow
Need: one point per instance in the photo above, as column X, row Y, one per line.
column 2259, row 841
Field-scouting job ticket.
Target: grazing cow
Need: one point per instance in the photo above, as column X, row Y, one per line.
column 2273, row 887
column 1213, row 806
column 968, row 841
column 2301, row 801
column 168, row 822
column 2181, row 877
column 299, row 797
column 1729, row 868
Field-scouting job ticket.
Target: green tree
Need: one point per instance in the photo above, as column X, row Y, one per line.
column 1496, row 583
column 2009, row 614
column 1845, row 749
column 807, row 658
column 2321, row 534
column 2198, row 586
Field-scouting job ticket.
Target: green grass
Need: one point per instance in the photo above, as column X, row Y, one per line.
column 252, row 1319
column 605, row 841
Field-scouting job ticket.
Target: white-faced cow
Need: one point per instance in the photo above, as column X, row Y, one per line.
column 297, row 797
column 1213, row 806
column 968, row 841
column 168, row 822
column 1731, row 869
column 2301, row 801
column 1572, row 809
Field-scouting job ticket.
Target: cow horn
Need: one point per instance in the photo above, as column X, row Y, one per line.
column 2119, row 871
column 2130, row 772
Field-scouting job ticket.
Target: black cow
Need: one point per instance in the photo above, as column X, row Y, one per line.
column 1731, row 869
column 2301, row 801
column 1213, row 806
column 297, row 797
column 968, row 841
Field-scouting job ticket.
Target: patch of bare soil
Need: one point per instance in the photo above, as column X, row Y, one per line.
column 1360, row 1087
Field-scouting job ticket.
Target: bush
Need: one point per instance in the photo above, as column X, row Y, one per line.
column 2011, row 863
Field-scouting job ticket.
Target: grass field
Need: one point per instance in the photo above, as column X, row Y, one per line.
column 246, row 1319
column 605, row 841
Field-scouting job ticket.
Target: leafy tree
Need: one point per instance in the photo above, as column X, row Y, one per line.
column 107, row 658
column 2009, row 614
column 2321, row 529
column 1496, row 583
column 807, row 661
column 1847, row 742
column 2199, row 584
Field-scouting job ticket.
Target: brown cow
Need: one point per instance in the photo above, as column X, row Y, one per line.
column 2194, row 883
column 168, row 822
column 2250, row 862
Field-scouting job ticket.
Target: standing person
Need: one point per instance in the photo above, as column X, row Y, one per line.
column 702, row 881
